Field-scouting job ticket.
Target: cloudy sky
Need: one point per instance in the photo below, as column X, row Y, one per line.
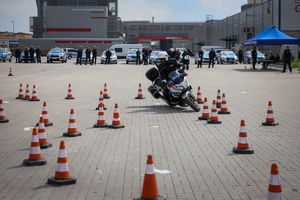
column 162, row 10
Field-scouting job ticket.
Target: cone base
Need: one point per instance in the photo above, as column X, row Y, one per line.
column 214, row 122
column 103, row 108
column 72, row 134
column 4, row 121
column 224, row 112
column 34, row 99
column 269, row 124
column 158, row 198
column 203, row 118
column 69, row 98
column 100, row 126
column 139, row 97
column 201, row 102
column 26, row 99
column 19, row 97
column 218, row 106
column 57, row 182
column 108, row 97
column 116, row 126
column 39, row 162
column 9, row 75
column 46, row 124
column 46, row 146
column 242, row 151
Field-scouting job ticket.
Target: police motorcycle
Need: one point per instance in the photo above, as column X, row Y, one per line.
column 175, row 90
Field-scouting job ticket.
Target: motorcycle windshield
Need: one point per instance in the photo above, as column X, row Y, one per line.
column 175, row 77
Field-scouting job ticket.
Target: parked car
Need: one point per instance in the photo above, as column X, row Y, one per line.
column 205, row 57
column 113, row 58
column 71, row 52
column 154, row 57
column 131, row 56
column 248, row 57
column 22, row 57
column 5, row 54
column 227, row 57
column 57, row 54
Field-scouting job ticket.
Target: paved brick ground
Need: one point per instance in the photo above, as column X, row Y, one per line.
column 109, row 164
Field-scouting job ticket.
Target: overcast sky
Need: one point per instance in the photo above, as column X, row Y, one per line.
column 162, row 10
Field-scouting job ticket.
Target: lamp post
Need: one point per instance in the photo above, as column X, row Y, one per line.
column 13, row 23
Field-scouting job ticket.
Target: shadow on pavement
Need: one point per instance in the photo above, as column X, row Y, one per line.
column 258, row 70
column 16, row 167
column 158, row 109
column 42, row 187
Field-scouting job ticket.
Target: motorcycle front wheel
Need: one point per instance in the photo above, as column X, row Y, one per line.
column 191, row 101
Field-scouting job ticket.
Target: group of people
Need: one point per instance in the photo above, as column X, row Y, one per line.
column 145, row 54
column 212, row 57
column 28, row 55
column 88, row 53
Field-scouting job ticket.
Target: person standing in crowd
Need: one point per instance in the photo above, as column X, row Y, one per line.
column 212, row 57
column 26, row 55
column 186, row 58
column 240, row 56
column 94, row 58
column 138, row 57
column 177, row 54
column 287, row 59
column 17, row 54
column 38, row 54
column 145, row 53
column 200, row 59
column 79, row 56
column 108, row 55
column 31, row 53
column 88, row 55
column 254, row 57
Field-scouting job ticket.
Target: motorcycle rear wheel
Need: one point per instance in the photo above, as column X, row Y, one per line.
column 191, row 101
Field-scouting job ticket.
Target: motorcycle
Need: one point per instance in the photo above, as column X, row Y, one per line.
column 175, row 91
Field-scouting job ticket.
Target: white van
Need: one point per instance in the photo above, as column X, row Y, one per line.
column 123, row 49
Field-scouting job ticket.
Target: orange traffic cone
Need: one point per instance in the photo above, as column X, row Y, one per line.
column 101, row 101
column 116, row 123
column 224, row 109
column 3, row 119
column 270, row 121
column 27, row 93
column 105, row 92
column 69, row 95
column 62, row 173
column 45, row 115
column 140, row 93
column 150, row 191
column 199, row 96
column 44, row 144
column 205, row 112
column 219, row 99
column 243, row 146
column 34, row 95
column 21, row 95
column 72, row 128
column 10, row 72
column 275, row 190
column 214, row 115
column 35, row 156
column 101, row 123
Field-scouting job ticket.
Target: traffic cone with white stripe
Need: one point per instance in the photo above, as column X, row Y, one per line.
column 101, row 102
column 101, row 123
column 34, row 95
column 243, row 146
column 21, row 94
column 150, row 190
column 45, row 115
column 69, row 95
column 3, row 119
column 275, row 190
column 62, row 173
column 224, row 109
column 219, row 99
column 44, row 144
column 35, row 156
column 116, row 122
column 199, row 96
column 27, row 93
column 140, row 93
column 72, row 128
column 10, row 72
column 214, row 119
column 105, row 92
column 270, row 121
column 205, row 111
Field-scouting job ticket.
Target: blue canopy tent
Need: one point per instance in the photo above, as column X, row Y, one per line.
column 272, row 36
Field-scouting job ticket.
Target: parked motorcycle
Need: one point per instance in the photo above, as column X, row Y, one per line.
column 174, row 91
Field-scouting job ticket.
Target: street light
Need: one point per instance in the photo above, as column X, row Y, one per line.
column 13, row 23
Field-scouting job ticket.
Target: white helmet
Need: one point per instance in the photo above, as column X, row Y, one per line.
column 163, row 55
